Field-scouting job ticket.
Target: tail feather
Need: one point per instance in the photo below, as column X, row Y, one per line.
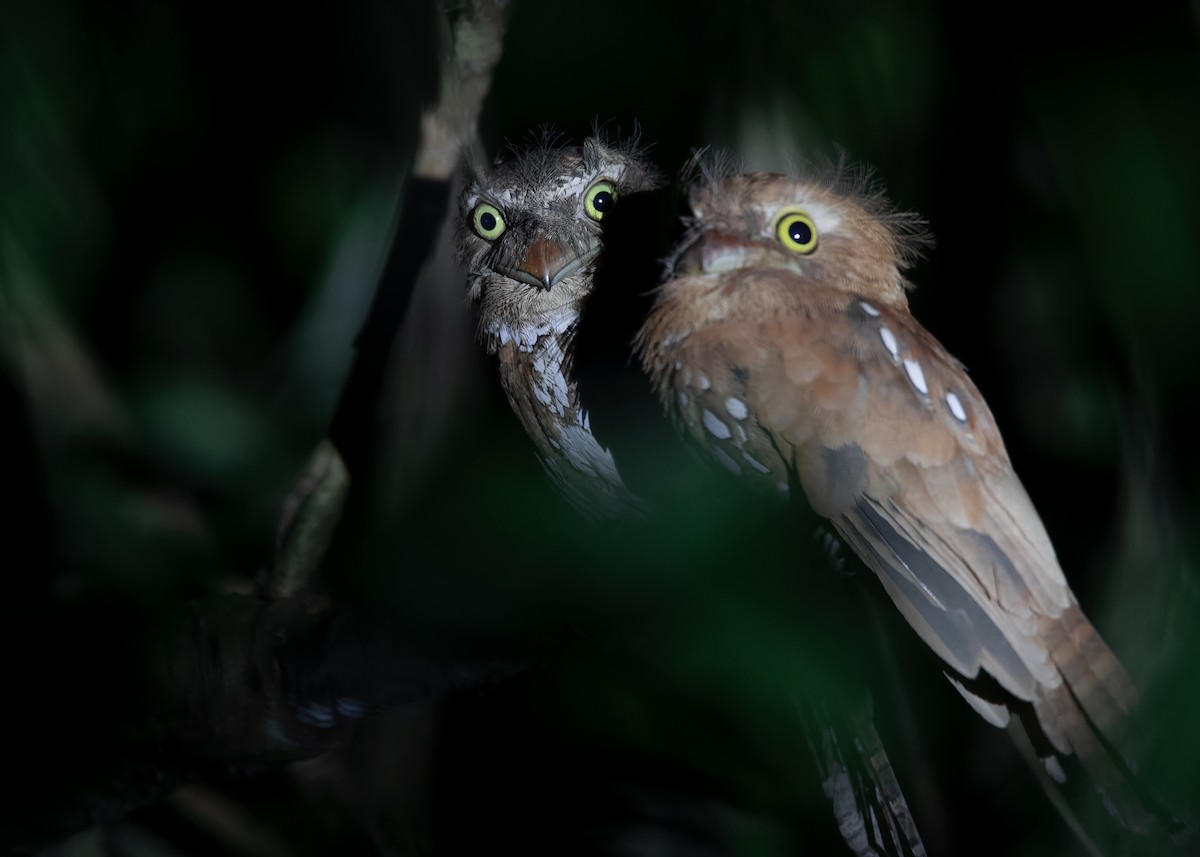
column 1067, row 724
column 1097, row 699
column 1090, row 714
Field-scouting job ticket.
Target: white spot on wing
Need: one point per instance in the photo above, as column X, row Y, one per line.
column 736, row 407
column 868, row 309
column 1054, row 769
column 913, row 368
column 956, row 407
column 714, row 425
column 889, row 342
column 684, row 399
column 702, row 381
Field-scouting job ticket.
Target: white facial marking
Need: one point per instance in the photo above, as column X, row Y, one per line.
column 755, row 463
column 868, row 309
column 736, row 407
column 727, row 462
column 913, row 368
column 889, row 342
column 702, row 381
column 826, row 218
column 714, row 425
column 956, row 407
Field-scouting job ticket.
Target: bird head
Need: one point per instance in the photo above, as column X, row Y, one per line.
column 837, row 232
column 530, row 232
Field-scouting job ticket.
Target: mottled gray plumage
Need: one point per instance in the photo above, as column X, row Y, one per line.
column 529, row 239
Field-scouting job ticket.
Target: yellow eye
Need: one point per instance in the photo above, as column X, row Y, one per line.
column 488, row 221
column 796, row 231
column 599, row 199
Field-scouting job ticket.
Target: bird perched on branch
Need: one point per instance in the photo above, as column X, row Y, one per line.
column 530, row 240
column 546, row 251
column 782, row 343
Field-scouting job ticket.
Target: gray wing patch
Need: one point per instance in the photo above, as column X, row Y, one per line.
column 833, row 478
column 942, row 612
column 1005, row 583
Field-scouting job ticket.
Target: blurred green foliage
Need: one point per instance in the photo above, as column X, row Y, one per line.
column 194, row 200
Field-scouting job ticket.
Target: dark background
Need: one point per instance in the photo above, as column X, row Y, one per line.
column 196, row 200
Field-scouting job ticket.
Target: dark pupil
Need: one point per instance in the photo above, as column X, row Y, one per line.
column 602, row 201
column 487, row 221
column 800, row 232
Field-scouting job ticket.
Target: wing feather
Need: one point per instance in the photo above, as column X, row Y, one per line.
column 892, row 442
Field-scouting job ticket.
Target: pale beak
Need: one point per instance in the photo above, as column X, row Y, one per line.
column 712, row 252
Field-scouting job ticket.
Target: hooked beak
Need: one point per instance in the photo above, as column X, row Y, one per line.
column 547, row 262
